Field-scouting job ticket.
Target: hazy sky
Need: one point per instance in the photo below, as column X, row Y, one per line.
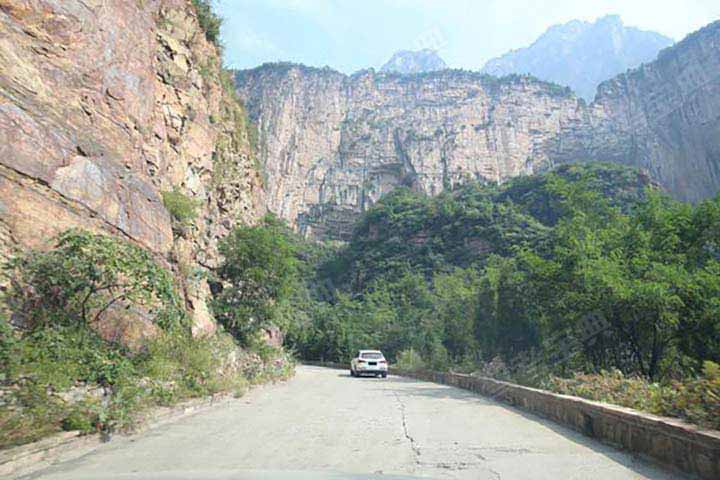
column 349, row 35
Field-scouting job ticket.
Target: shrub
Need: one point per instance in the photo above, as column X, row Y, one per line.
column 259, row 272
column 257, row 343
column 53, row 359
column 28, row 415
column 696, row 400
column 83, row 276
column 78, row 420
column 496, row 368
column 409, row 360
column 182, row 366
column 58, row 357
column 182, row 208
column 209, row 21
column 7, row 343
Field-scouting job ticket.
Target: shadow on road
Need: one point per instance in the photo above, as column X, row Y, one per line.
column 416, row 388
column 363, row 377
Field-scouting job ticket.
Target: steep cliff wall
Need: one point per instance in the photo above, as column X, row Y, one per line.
column 103, row 107
column 663, row 117
column 332, row 144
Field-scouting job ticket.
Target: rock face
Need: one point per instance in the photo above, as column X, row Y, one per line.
column 332, row 144
column 663, row 117
column 104, row 106
column 409, row 62
column 582, row 54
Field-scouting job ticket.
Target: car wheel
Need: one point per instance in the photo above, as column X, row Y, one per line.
column 352, row 372
column 384, row 375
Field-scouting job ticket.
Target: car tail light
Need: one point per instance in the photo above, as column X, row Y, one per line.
column 382, row 361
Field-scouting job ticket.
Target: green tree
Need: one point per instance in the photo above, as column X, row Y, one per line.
column 209, row 21
column 83, row 276
column 256, row 276
column 505, row 324
column 456, row 304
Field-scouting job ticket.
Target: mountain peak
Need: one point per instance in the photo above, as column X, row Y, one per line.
column 582, row 54
column 612, row 19
column 419, row 61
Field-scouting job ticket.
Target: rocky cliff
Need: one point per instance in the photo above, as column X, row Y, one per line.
column 332, row 144
column 663, row 117
column 105, row 106
column 582, row 54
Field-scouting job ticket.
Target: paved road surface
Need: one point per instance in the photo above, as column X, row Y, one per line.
column 324, row 420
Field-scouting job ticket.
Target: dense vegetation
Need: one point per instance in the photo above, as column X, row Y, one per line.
column 587, row 270
column 61, row 370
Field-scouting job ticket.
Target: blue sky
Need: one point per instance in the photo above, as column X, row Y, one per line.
column 349, row 35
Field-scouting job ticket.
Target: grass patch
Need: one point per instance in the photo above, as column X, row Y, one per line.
column 174, row 367
column 181, row 207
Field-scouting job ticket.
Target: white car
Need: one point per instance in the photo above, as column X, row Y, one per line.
column 369, row 362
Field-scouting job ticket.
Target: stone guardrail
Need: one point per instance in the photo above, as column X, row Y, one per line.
column 668, row 441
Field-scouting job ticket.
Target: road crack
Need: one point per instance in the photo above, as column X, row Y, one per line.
column 495, row 473
column 413, row 444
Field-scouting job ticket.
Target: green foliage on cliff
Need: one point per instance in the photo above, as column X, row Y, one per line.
column 240, row 134
column 182, row 208
column 83, row 277
column 241, row 137
column 209, row 21
column 53, row 351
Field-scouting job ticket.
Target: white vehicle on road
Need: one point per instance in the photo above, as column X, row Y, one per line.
column 369, row 362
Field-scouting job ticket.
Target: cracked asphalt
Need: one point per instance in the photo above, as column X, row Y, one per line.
column 323, row 420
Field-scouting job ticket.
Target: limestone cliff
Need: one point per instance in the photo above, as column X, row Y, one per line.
column 663, row 117
column 104, row 105
column 332, row 144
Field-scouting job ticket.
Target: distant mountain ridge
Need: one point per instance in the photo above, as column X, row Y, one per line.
column 581, row 54
column 409, row 62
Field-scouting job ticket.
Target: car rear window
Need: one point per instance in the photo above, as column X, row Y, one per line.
column 372, row 356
